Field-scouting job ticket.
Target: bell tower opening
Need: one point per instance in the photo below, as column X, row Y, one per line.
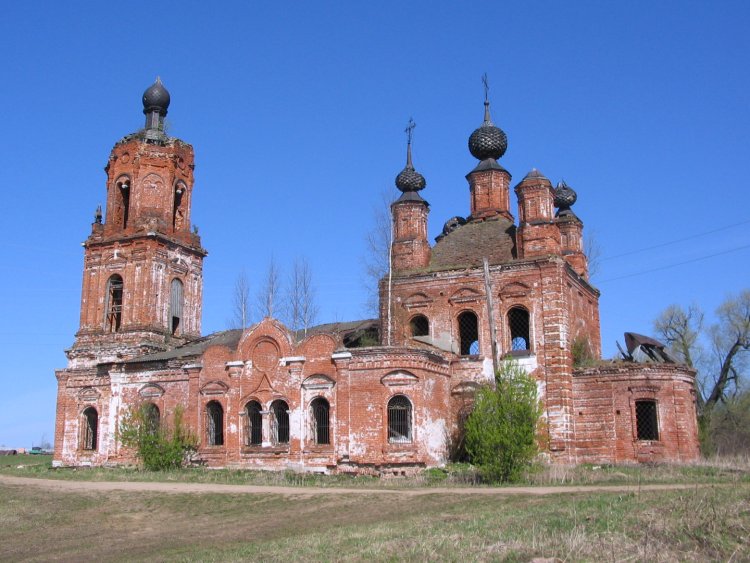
column 175, row 307
column 113, row 320
column 178, row 208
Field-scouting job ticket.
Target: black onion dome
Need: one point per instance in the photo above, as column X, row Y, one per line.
column 156, row 98
column 409, row 180
column 565, row 196
column 488, row 141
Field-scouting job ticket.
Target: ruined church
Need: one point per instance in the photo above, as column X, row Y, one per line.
column 378, row 396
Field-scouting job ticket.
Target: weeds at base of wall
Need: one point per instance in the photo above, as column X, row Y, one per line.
column 158, row 445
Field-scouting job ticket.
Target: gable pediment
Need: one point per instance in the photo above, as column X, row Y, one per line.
column 515, row 289
column 214, row 388
column 417, row 300
column 399, row 378
column 89, row 394
column 318, row 381
column 151, row 391
column 466, row 295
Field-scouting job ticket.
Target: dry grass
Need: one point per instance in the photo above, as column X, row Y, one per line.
column 717, row 470
column 689, row 525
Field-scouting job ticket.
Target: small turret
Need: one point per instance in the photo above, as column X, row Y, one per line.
column 488, row 182
column 410, row 249
column 537, row 233
column 571, row 229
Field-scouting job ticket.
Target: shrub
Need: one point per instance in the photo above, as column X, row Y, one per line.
column 158, row 447
column 725, row 429
column 501, row 431
column 580, row 348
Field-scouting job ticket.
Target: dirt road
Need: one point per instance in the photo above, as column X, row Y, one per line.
column 182, row 488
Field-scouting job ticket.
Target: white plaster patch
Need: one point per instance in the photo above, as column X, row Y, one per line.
column 528, row 363
column 433, row 433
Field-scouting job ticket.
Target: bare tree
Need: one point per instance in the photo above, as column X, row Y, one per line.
column 241, row 302
column 680, row 330
column 301, row 309
column 593, row 251
column 378, row 239
column 721, row 372
column 730, row 343
column 266, row 300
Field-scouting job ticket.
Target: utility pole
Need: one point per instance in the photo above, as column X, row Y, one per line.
column 490, row 316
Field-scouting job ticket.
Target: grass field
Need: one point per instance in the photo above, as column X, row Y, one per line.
column 698, row 524
column 694, row 525
column 722, row 471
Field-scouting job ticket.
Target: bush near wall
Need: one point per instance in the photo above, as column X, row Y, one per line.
column 501, row 432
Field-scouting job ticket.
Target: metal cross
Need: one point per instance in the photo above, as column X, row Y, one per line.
column 486, row 87
column 409, row 129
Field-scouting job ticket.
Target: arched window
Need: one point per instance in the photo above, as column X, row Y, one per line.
column 90, row 433
column 122, row 208
column 214, row 424
column 279, row 422
column 420, row 326
column 399, row 420
column 151, row 418
column 254, row 427
column 468, row 331
column 178, row 208
column 320, row 418
column 518, row 325
column 113, row 317
column 175, row 306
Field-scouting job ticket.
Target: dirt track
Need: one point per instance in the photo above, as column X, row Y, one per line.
column 182, row 488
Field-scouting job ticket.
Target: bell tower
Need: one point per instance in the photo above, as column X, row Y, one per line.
column 143, row 266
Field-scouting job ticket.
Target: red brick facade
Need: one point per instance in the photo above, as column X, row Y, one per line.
column 265, row 398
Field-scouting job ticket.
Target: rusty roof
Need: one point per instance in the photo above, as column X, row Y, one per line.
column 468, row 244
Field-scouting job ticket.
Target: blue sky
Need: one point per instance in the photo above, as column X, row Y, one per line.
column 297, row 111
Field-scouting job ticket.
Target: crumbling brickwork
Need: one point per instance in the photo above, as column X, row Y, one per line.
column 334, row 399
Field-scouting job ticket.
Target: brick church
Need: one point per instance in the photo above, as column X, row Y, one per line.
column 385, row 395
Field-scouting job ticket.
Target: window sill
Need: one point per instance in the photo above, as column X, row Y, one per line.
column 400, row 446
column 471, row 358
column 265, row 449
column 319, row 448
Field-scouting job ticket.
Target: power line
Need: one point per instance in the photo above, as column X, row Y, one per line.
column 676, row 264
column 660, row 245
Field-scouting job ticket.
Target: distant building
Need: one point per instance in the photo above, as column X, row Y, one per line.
column 387, row 395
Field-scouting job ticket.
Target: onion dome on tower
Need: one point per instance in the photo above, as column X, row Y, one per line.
column 409, row 180
column 565, row 197
column 155, row 104
column 488, row 141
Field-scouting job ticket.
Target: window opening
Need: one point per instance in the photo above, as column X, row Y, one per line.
column 420, row 326
column 151, row 418
column 647, row 426
column 254, row 434
column 124, row 189
column 178, row 211
column 114, row 304
column 215, row 424
column 175, row 306
column 399, row 420
column 90, row 428
column 280, row 422
column 320, row 411
column 518, row 324
column 468, row 331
